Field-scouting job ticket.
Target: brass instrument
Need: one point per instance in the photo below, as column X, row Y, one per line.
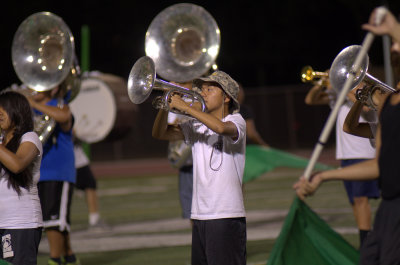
column 309, row 75
column 183, row 40
column 342, row 66
column 43, row 56
column 182, row 43
column 142, row 81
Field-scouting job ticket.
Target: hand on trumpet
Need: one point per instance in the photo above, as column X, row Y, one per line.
column 176, row 102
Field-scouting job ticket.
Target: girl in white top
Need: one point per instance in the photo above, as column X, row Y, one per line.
column 20, row 158
column 218, row 139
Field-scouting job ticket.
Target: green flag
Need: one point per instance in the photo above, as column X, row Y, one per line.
column 306, row 239
column 260, row 160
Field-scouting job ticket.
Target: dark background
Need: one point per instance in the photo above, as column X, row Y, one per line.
column 264, row 45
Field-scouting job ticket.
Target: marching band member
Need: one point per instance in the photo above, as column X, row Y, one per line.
column 252, row 134
column 180, row 155
column 382, row 243
column 218, row 139
column 57, row 175
column 350, row 150
column 368, row 130
column 20, row 156
column 86, row 182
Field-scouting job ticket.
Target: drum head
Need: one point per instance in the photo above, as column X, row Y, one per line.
column 94, row 110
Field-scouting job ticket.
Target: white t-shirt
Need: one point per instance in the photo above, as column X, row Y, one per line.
column 350, row 146
column 217, row 176
column 81, row 158
column 23, row 211
column 179, row 152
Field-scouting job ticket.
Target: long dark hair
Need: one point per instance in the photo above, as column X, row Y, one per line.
column 20, row 114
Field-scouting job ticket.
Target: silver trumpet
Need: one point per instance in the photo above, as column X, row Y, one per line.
column 342, row 66
column 142, row 80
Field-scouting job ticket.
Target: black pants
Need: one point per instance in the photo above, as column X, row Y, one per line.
column 382, row 245
column 219, row 242
column 20, row 246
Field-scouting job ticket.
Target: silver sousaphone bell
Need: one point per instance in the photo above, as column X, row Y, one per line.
column 182, row 43
column 43, row 56
column 183, row 40
column 43, row 51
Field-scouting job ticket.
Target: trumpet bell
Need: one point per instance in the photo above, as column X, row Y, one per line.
column 343, row 65
column 42, row 51
column 141, row 80
column 309, row 75
column 183, row 41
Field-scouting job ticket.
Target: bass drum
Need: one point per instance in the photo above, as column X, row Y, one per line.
column 102, row 110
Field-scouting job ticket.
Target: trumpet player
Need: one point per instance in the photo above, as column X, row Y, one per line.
column 382, row 243
column 368, row 130
column 218, row 139
column 350, row 150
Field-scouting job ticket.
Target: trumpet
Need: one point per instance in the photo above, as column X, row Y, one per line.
column 342, row 66
column 309, row 75
column 142, row 81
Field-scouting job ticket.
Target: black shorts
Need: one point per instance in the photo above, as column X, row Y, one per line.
column 85, row 178
column 55, row 198
column 20, row 246
column 219, row 242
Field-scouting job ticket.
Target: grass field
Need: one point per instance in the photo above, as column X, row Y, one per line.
column 145, row 199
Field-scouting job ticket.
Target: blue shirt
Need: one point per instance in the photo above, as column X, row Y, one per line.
column 58, row 162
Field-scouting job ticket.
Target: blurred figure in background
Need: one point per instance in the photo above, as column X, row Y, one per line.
column 180, row 156
column 57, row 175
column 253, row 136
column 86, row 181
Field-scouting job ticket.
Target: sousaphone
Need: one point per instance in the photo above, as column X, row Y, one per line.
column 183, row 41
column 43, row 56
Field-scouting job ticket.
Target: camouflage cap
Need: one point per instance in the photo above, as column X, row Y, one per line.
column 226, row 82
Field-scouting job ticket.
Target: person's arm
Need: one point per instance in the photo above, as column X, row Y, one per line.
column 223, row 128
column 61, row 115
column 317, row 95
column 352, row 124
column 389, row 26
column 253, row 134
column 164, row 131
column 17, row 162
column 366, row 170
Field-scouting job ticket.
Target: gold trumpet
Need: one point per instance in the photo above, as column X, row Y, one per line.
column 309, row 75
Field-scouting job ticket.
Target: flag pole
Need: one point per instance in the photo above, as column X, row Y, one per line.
column 342, row 96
